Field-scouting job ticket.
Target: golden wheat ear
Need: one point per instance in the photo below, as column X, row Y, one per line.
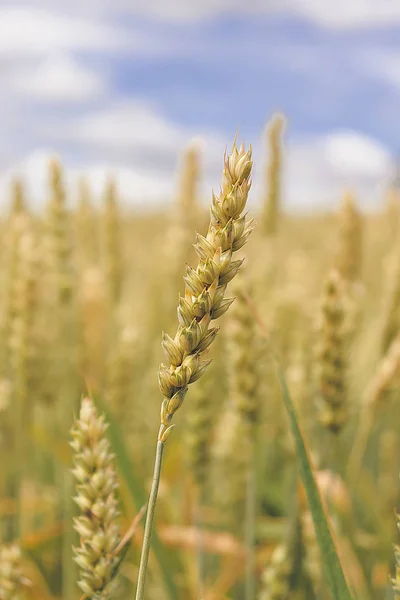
column 96, row 485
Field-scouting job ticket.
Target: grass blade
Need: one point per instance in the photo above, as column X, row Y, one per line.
column 332, row 568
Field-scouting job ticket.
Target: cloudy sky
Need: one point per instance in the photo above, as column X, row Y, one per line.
column 123, row 85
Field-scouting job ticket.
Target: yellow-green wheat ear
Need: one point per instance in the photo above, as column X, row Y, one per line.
column 243, row 346
column 189, row 180
column 349, row 257
column 275, row 583
column 392, row 210
column 96, row 485
column 198, row 432
column 85, row 224
column 18, row 200
column 203, row 301
column 58, row 239
column 205, row 287
column 271, row 203
column 112, row 242
column 331, row 360
column 12, row 580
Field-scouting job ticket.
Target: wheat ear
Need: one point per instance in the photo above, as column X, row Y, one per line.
column 12, row 580
column 271, row 202
column 349, row 257
column 275, row 579
column 331, row 357
column 204, row 300
column 96, row 485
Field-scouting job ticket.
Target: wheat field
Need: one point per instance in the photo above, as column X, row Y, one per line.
column 89, row 300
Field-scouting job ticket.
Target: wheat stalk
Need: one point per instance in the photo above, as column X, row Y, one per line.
column 204, row 300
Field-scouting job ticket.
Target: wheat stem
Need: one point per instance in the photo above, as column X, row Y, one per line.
column 250, row 587
column 148, row 529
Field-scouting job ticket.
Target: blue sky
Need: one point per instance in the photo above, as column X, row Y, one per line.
column 123, row 86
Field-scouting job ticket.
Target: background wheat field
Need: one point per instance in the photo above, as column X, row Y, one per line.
column 86, row 292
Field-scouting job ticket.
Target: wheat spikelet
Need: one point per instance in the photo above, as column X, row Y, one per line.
column 12, row 581
column 392, row 210
column 205, row 287
column 16, row 228
column 349, row 257
column 85, row 226
column 243, row 345
column 96, row 485
column 112, row 242
column 18, row 201
column 120, row 372
column 59, row 251
column 22, row 343
column 188, row 182
column 331, row 358
column 271, row 202
column 93, row 308
column 198, row 431
column 232, row 454
column 182, row 219
column 275, row 578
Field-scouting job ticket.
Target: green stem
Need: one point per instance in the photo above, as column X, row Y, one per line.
column 199, row 503
column 148, row 529
column 250, row 531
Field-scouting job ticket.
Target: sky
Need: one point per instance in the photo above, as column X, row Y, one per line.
column 123, row 86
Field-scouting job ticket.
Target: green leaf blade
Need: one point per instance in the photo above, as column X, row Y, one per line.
column 332, row 567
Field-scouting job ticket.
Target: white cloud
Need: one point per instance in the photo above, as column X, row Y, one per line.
column 350, row 154
column 136, row 132
column 135, row 187
column 316, row 171
column 28, row 31
column 125, row 125
column 340, row 14
column 58, row 79
column 343, row 13
column 132, row 141
column 319, row 169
